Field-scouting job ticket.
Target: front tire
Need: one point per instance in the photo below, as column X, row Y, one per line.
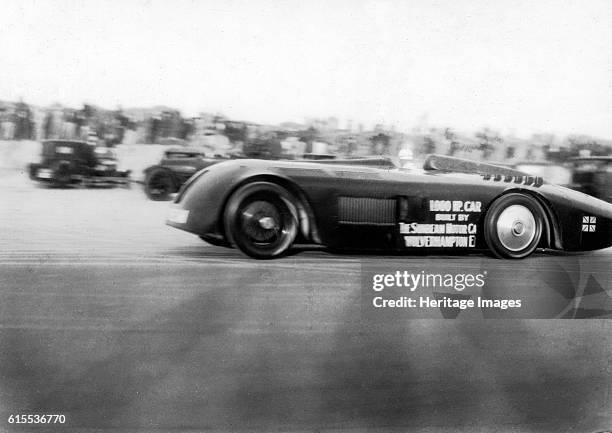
column 159, row 185
column 513, row 226
column 32, row 170
column 260, row 219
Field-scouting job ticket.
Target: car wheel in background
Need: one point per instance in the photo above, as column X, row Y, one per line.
column 261, row 220
column 126, row 175
column 159, row 185
column 62, row 175
column 513, row 226
column 32, row 170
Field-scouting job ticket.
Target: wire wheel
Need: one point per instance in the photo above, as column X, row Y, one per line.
column 513, row 226
column 260, row 220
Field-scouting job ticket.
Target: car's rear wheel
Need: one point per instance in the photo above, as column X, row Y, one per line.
column 159, row 185
column 513, row 226
column 261, row 220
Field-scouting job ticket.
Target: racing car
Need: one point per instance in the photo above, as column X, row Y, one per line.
column 450, row 205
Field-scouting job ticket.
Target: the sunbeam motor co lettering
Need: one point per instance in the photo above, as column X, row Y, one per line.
column 446, row 233
column 430, row 229
column 420, row 235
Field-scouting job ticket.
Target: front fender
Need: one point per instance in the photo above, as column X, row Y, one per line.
column 203, row 198
column 205, row 195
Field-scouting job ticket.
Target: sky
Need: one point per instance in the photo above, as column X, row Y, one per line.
column 519, row 67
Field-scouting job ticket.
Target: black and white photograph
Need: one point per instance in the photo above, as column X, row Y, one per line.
column 306, row 216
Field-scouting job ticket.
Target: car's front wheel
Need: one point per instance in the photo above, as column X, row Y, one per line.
column 159, row 185
column 513, row 226
column 261, row 220
column 32, row 170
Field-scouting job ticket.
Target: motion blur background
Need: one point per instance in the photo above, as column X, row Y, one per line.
column 475, row 79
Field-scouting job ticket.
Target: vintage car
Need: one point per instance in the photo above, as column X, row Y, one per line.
column 593, row 175
column 70, row 162
column 451, row 205
column 176, row 166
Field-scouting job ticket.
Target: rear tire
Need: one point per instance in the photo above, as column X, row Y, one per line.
column 260, row 219
column 513, row 226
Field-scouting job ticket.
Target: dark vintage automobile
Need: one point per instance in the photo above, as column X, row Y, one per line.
column 69, row 162
column 176, row 166
column 593, row 175
column 264, row 207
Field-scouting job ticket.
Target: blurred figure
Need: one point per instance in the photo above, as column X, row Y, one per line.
column 406, row 157
column 380, row 144
column 293, row 147
column 23, row 121
column 265, row 145
column 92, row 139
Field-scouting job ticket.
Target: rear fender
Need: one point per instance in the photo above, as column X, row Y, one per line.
column 552, row 229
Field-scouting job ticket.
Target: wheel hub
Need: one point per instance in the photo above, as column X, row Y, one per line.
column 267, row 222
column 260, row 222
column 516, row 227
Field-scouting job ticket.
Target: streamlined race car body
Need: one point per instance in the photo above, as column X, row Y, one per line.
column 264, row 207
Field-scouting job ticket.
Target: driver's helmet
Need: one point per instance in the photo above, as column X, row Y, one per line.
column 406, row 158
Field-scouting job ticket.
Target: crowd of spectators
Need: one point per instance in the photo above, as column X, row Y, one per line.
column 165, row 125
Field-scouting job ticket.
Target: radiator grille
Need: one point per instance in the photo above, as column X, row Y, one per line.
column 362, row 210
